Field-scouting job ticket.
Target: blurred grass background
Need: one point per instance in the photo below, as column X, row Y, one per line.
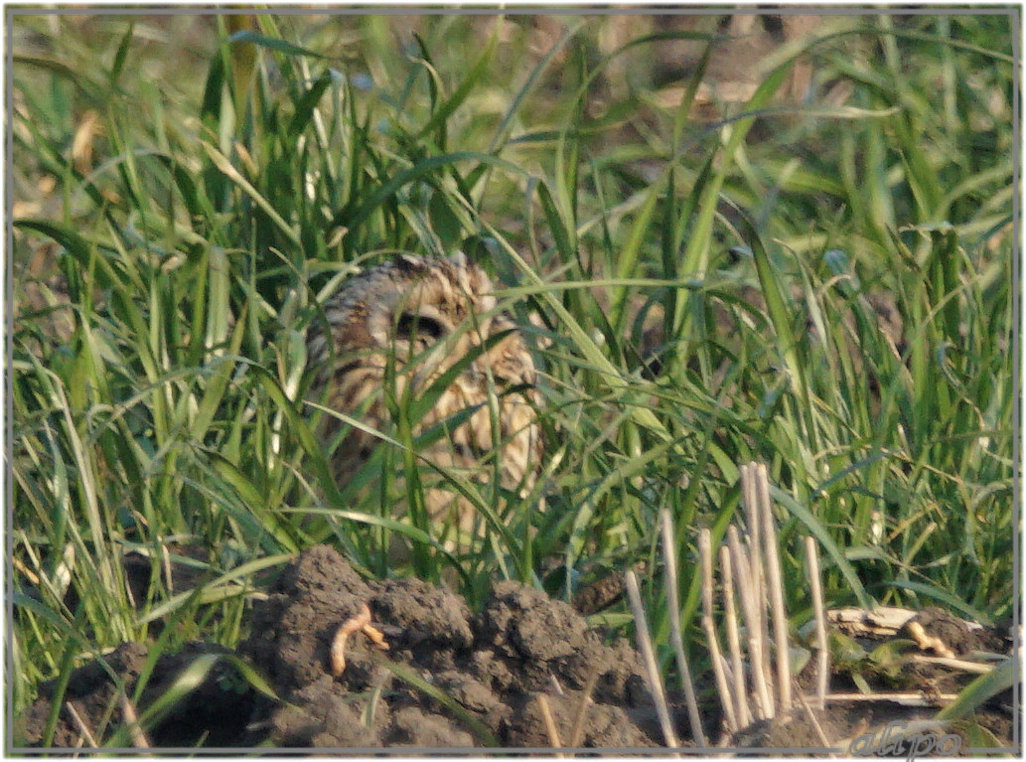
column 782, row 238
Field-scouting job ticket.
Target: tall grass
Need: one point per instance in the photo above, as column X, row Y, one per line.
column 704, row 295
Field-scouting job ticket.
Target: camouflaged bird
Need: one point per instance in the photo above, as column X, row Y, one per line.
column 411, row 321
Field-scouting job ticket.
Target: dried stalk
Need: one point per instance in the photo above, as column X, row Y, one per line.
column 556, row 685
column 744, row 712
column 728, row 673
column 815, row 722
column 139, row 739
column 749, row 486
column 705, row 555
column 550, row 724
column 165, row 557
column 655, row 684
column 776, row 590
column 905, row 699
column 973, row 667
column 751, row 502
column 582, row 709
column 676, row 638
column 749, row 609
column 19, row 565
column 823, row 652
column 82, row 727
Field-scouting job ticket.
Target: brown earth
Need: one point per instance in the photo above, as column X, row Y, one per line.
column 492, row 665
column 450, row 678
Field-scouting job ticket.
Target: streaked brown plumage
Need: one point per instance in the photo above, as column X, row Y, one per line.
column 423, row 316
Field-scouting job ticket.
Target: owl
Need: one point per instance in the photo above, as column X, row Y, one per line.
column 412, row 324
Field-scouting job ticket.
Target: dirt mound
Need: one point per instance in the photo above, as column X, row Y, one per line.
column 100, row 696
column 449, row 679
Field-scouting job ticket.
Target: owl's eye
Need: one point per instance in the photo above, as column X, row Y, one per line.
column 411, row 325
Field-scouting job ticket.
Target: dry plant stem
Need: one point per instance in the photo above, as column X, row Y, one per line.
column 966, row 666
column 760, row 486
column 655, row 685
column 130, row 597
column 165, row 557
column 705, row 556
column 82, row 727
column 577, row 732
column 550, row 724
column 754, row 525
column 556, row 686
column 676, row 638
column 823, row 652
column 905, row 699
column 776, row 591
column 20, row 567
column 749, row 486
column 139, row 739
column 728, row 673
column 815, row 722
column 749, row 608
column 744, row 712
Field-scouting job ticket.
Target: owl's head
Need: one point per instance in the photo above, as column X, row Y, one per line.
column 406, row 307
column 422, row 302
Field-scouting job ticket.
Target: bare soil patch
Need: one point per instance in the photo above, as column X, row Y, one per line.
column 450, row 678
